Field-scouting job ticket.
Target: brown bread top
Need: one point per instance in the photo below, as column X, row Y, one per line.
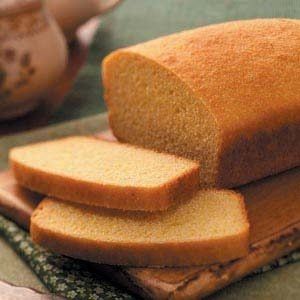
column 246, row 76
column 246, row 72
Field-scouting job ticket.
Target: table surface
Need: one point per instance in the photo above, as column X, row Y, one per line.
column 15, row 271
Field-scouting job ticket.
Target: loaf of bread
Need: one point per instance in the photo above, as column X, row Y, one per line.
column 210, row 227
column 95, row 172
column 226, row 95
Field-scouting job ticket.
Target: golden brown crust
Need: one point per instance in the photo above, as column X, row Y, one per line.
column 231, row 66
column 142, row 254
column 89, row 193
column 246, row 73
column 263, row 154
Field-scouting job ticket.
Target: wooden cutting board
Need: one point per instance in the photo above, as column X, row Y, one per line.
column 274, row 212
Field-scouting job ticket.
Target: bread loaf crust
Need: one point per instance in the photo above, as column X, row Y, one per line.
column 263, row 154
column 247, row 74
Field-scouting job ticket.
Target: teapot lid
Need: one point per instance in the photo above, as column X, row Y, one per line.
column 11, row 7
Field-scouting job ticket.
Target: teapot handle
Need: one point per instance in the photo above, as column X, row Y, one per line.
column 105, row 5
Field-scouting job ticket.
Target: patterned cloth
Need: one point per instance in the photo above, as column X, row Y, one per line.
column 63, row 276
column 70, row 278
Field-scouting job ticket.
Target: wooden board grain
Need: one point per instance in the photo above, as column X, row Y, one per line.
column 273, row 206
column 16, row 202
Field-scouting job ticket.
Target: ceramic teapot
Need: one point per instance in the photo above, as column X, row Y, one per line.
column 70, row 14
column 33, row 55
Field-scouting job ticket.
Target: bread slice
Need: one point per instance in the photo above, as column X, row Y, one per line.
column 90, row 171
column 210, row 227
column 226, row 95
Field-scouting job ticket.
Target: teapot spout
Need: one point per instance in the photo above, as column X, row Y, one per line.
column 70, row 14
column 106, row 5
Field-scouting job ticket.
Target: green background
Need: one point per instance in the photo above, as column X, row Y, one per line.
column 136, row 21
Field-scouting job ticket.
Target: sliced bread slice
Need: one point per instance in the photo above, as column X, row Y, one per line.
column 210, row 227
column 94, row 172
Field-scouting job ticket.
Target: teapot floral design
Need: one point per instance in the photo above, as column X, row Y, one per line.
column 33, row 50
column 33, row 55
